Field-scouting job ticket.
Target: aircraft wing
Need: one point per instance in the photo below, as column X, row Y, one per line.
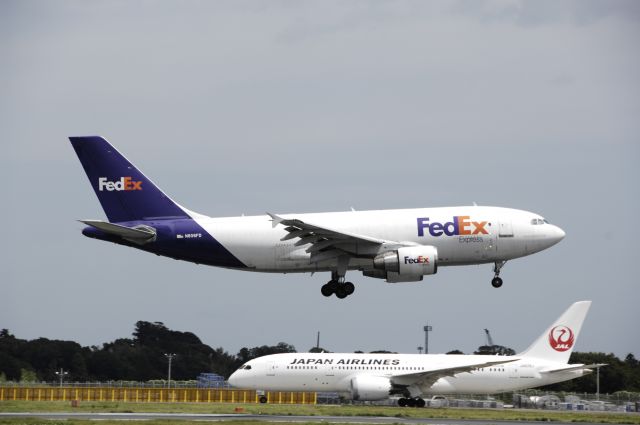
column 326, row 243
column 425, row 379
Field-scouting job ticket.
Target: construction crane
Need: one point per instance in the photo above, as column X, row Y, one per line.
column 489, row 339
column 492, row 348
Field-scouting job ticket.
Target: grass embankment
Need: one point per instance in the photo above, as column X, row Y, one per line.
column 37, row 421
column 310, row 410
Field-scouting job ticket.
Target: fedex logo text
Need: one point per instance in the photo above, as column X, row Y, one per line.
column 419, row 260
column 125, row 183
column 460, row 225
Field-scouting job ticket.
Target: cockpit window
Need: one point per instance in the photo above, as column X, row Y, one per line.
column 248, row 367
column 538, row 221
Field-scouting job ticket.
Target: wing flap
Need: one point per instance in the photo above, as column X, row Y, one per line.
column 294, row 233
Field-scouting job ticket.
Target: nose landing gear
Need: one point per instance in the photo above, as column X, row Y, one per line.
column 496, row 282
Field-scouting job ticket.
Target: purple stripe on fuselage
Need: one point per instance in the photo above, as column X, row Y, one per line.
column 182, row 239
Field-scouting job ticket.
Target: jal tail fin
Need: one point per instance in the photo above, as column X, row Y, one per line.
column 557, row 342
column 123, row 191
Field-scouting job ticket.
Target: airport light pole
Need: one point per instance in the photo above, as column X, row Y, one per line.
column 169, row 356
column 598, row 383
column 61, row 373
column 427, row 329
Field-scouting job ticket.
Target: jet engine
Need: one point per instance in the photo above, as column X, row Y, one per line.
column 407, row 264
column 370, row 387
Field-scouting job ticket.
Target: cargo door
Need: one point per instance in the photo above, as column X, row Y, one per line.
column 506, row 229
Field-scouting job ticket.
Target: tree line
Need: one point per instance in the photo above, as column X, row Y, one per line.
column 142, row 358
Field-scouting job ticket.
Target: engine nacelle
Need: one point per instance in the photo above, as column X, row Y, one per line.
column 370, row 388
column 412, row 261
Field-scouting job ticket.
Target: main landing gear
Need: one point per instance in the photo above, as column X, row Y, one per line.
column 411, row 402
column 496, row 282
column 337, row 286
column 341, row 289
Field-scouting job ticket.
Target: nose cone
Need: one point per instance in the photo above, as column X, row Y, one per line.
column 233, row 379
column 555, row 235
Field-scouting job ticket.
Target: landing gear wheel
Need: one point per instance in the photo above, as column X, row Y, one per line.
column 337, row 284
column 263, row 399
column 420, row 402
column 341, row 291
column 411, row 402
column 496, row 282
column 349, row 287
column 402, row 402
column 328, row 289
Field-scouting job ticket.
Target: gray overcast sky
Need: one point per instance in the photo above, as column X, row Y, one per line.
column 239, row 107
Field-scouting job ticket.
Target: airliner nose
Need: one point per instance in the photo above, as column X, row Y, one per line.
column 556, row 234
column 233, row 379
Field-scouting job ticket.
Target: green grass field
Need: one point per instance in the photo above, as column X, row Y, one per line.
column 37, row 421
column 306, row 410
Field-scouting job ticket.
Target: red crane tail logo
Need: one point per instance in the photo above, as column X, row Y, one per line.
column 561, row 338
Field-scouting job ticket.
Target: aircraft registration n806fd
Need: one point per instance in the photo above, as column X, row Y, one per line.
column 396, row 245
column 411, row 376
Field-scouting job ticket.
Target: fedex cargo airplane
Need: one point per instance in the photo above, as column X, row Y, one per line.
column 395, row 245
column 411, row 376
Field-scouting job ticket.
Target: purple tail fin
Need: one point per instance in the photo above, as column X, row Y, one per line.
column 123, row 191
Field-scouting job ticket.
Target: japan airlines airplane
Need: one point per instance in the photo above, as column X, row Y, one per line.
column 379, row 376
column 396, row 245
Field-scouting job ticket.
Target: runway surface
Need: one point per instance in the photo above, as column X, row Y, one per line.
column 266, row 418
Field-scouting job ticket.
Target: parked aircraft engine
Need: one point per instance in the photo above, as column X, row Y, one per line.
column 408, row 264
column 370, row 388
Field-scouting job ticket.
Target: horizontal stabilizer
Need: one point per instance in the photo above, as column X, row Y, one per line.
column 573, row 367
column 138, row 234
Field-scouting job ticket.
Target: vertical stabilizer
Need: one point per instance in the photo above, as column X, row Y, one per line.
column 123, row 191
column 557, row 342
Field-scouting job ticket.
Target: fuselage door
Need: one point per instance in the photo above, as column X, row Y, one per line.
column 489, row 245
column 512, row 369
column 271, row 368
column 506, row 229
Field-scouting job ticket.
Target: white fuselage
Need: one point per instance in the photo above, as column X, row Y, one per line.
column 483, row 235
column 335, row 372
column 377, row 376
column 395, row 245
